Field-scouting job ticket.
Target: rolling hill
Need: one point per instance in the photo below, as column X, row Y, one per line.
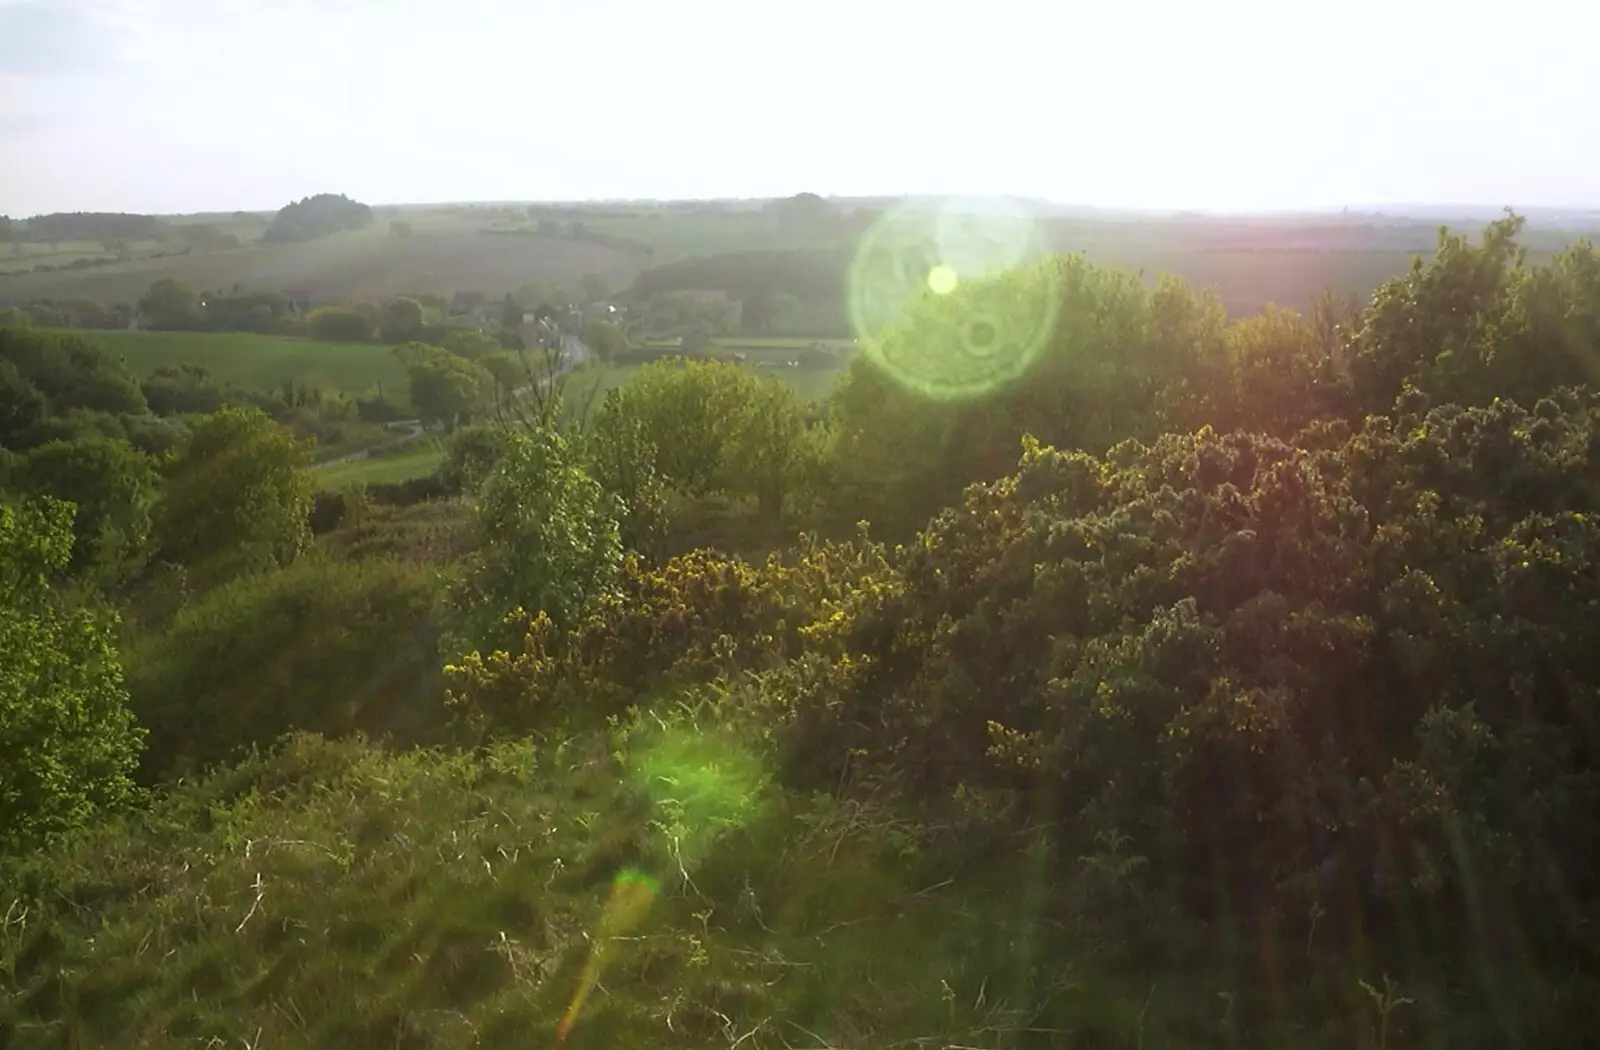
column 444, row 254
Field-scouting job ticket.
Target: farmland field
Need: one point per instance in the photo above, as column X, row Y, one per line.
column 444, row 254
column 264, row 362
column 20, row 256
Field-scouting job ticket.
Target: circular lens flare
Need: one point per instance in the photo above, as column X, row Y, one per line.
column 949, row 298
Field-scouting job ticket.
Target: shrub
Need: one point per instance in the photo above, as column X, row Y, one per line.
column 321, row 646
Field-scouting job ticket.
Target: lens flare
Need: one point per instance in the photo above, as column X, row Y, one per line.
column 632, row 893
column 950, row 298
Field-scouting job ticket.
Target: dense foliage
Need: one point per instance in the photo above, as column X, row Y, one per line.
column 317, row 216
column 324, row 646
column 67, row 739
column 1102, row 671
column 235, row 497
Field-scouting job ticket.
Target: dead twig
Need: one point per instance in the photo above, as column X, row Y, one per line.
column 261, row 891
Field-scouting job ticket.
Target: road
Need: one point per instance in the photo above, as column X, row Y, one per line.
column 573, row 354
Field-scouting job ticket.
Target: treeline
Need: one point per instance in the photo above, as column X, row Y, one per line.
column 317, row 216
column 810, row 274
column 810, row 285
column 82, row 226
column 1146, row 678
column 61, row 387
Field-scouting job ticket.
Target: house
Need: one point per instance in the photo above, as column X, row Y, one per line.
column 604, row 311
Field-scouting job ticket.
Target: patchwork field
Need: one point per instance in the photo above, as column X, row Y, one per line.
column 265, row 362
column 441, row 256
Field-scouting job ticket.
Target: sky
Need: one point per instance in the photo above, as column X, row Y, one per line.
column 196, row 105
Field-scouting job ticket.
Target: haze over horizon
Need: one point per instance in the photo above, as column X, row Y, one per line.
column 183, row 105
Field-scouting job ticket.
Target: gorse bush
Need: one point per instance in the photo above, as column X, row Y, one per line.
column 694, row 620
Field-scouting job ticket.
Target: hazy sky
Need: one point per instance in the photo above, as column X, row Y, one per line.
column 186, row 105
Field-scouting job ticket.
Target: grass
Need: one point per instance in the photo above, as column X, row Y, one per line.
column 353, row 438
column 265, row 362
column 334, row 895
column 416, row 459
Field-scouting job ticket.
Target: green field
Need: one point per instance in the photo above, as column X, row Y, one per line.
column 265, row 362
column 421, row 457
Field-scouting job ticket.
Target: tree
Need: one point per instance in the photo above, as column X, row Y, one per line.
column 21, row 405
column 470, row 457
column 606, row 340
column 1430, row 323
column 170, row 304
column 510, row 312
column 68, row 742
column 770, row 311
column 237, row 497
column 470, row 344
column 717, row 427
column 340, row 324
column 317, row 216
column 688, row 412
column 73, row 372
column 758, row 312
column 401, row 321
column 595, row 287
column 112, row 485
column 772, row 455
column 550, row 543
column 446, row 388
column 621, row 458
column 399, row 228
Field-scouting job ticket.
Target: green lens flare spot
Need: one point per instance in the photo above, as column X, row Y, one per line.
column 953, row 299
column 942, row 280
column 700, row 784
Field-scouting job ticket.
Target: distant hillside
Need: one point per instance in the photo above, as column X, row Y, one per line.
column 318, row 216
column 444, row 254
column 815, row 274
